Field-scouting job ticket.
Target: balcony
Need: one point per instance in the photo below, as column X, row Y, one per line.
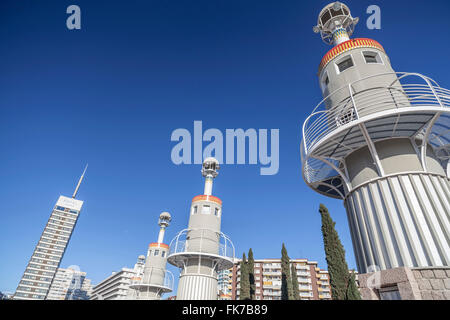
column 148, row 280
column 202, row 242
column 360, row 113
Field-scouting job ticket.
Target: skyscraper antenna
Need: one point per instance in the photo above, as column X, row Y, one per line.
column 79, row 183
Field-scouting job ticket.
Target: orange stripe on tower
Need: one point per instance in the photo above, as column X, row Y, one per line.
column 158, row 245
column 204, row 197
column 348, row 45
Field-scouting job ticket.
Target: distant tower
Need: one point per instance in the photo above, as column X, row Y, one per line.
column 379, row 140
column 49, row 251
column 202, row 249
column 156, row 280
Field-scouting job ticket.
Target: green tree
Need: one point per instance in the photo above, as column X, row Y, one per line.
column 295, row 290
column 245, row 284
column 251, row 274
column 352, row 290
column 286, row 282
column 343, row 286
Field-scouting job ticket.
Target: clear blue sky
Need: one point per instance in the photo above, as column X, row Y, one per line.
column 111, row 94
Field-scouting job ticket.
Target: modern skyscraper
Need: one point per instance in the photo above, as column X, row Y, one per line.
column 380, row 141
column 202, row 249
column 49, row 251
column 70, row 284
column 156, row 280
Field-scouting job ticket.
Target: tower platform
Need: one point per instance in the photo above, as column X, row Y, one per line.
column 413, row 106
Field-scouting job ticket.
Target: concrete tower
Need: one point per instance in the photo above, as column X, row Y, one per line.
column 379, row 140
column 202, row 249
column 49, row 251
column 155, row 280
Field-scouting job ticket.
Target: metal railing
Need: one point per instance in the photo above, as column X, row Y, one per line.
column 146, row 279
column 202, row 243
column 408, row 90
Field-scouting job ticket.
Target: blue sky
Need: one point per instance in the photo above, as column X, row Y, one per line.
column 111, row 94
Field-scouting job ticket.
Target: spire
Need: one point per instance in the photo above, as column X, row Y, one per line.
column 79, row 182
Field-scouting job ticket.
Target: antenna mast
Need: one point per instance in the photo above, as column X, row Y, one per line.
column 79, row 182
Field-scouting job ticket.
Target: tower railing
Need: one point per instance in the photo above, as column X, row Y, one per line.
column 168, row 281
column 347, row 107
column 203, row 241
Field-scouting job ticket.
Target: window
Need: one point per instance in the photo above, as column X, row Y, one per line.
column 206, row 209
column 324, row 82
column 216, row 212
column 156, row 252
column 346, row 63
column 163, row 254
column 194, row 210
column 389, row 293
column 372, row 57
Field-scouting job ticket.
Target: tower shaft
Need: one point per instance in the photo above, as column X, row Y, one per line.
column 201, row 250
column 156, row 280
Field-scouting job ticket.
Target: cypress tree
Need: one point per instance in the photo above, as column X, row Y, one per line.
column 295, row 290
column 352, row 290
column 342, row 283
column 286, row 282
column 251, row 274
column 245, row 285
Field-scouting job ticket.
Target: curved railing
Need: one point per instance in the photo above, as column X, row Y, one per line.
column 323, row 121
column 407, row 90
column 144, row 279
column 203, row 243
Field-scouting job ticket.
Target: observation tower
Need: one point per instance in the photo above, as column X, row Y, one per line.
column 380, row 141
column 201, row 250
column 156, row 280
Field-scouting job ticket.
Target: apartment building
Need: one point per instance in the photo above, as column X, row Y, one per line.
column 70, row 284
column 117, row 285
column 225, row 284
column 313, row 282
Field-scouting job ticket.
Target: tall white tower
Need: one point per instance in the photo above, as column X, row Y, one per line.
column 380, row 141
column 49, row 251
column 201, row 250
column 156, row 280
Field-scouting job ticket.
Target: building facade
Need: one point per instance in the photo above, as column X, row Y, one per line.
column 49, row 251
column 117, row 285
column 70, row 284
column 313, row 282
column 225, row 284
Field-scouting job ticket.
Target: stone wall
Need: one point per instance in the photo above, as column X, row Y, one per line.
column 434, row 283
column 431, row 283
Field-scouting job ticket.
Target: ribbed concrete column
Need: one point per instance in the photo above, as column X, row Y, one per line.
column 401, row 220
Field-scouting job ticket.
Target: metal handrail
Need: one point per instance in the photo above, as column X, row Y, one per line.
column 366, row 104
column 369, row 100
column 225, row 245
